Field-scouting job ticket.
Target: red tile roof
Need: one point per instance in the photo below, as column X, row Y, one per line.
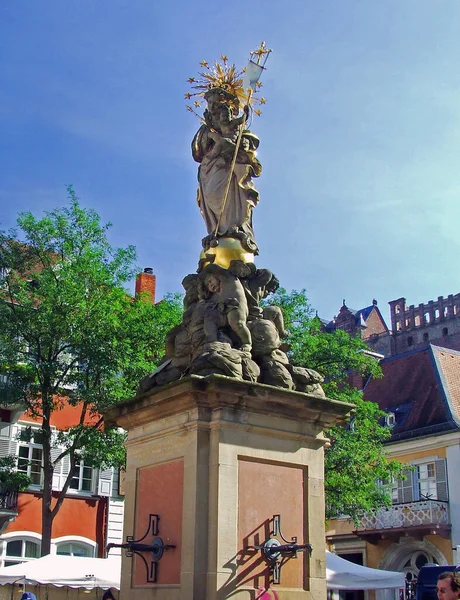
column 448, row 362
column 416, row 387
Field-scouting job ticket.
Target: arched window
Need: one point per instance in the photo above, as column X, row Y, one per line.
column 74, row 549
column 425, row 337
column 445, row 331
column 410, row 341
column 19, row 550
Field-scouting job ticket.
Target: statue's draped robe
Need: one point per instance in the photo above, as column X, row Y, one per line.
column 213, row 175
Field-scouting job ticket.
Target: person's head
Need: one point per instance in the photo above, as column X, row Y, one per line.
column 212, row 283
column 190, row 285
column 222, row 107
column 448, row 586
column 272, row 285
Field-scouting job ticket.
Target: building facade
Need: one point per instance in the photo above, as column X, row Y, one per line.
column 420, row 394
column 91, row 514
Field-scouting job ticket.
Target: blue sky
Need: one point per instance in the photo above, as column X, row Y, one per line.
column 360, row 137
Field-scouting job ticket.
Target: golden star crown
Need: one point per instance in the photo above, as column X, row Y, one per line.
column 225, row 76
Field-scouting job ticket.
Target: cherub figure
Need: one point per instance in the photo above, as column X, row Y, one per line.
column 258, row 284
column 225, row 298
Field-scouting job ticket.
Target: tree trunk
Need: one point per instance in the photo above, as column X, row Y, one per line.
column 47, row 525
column 47, row 516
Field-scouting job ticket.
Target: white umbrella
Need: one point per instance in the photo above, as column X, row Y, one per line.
column 73, row 571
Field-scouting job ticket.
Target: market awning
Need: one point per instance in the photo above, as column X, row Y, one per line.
column 342, row 574
column 72, row 571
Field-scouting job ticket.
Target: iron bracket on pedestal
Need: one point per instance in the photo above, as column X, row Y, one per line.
column 276, row 553
column 155, row 548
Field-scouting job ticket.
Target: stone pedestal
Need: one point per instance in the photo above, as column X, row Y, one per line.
column 216, row 458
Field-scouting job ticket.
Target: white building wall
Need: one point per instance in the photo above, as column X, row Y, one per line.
column 453, row 475
column 115, row 511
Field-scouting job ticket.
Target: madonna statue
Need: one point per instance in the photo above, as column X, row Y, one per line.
column 214, row 147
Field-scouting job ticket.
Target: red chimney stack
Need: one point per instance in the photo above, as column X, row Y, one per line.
column 146, row 284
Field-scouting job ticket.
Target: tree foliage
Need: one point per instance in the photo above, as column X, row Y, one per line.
column 10, row 479
column 356, row 465
column 70, row 333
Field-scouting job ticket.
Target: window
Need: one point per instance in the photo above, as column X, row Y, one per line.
column 425, row 337
column 390, row 419
column 82, row 480
column 391, row 487
column 445, row 331
column 74, row 549
column 411, row 569
column 20, row 550
column 30, row 462
column 410, row 341
column 426, row 481
column 30, row 453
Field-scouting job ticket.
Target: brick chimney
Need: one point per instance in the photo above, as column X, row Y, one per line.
column 146, row 283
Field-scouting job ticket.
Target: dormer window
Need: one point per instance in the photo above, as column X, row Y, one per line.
column 390, row 420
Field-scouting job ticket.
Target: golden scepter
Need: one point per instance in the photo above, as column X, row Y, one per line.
column 252, row 74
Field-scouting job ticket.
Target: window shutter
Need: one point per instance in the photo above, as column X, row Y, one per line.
column 104, row 487
column 441, row 479
column 4, row 447
column 61, row 470
column 5, row 434
column 5, row 430
column 405, row 489
column 13, row 440
column 57, row 469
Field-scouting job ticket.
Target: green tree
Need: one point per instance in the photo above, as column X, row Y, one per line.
column 10, row 479
column 355, row 462
column 69, row 332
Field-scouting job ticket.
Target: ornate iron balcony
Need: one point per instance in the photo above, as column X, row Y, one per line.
column 410, row 514
column 8, row 500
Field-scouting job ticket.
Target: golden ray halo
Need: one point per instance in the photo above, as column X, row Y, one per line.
column 224, row 76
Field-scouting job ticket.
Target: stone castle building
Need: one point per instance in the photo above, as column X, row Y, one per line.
column 435, row 322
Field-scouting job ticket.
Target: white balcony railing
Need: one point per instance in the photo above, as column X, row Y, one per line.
column 411, row 514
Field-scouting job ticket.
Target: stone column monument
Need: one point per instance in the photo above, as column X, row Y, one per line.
column 224, row 480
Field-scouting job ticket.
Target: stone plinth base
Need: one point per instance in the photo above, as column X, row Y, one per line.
column 216, row 459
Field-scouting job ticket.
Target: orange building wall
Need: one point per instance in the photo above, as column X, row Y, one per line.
column 85, row 517
column 77, row 516
column 63, row 418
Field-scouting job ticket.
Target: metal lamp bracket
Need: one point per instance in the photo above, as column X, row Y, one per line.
column 155, row 548
column 276, row 553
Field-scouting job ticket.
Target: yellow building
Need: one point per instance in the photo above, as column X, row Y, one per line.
column 420, row 394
